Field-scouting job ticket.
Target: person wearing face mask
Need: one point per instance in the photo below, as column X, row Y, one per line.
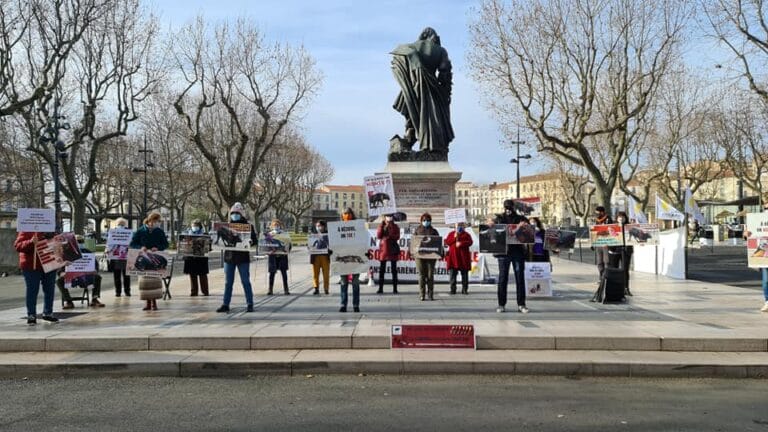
column 603, row 259
column 345, row 280
column 121, row 279
column 426, row 267
column 277, row 262
column 197, row 267
column 388, row 234
column 320, row 262
column 459, row 258
column 150, row 237
column 515, row 258
column 622, row 255
column 538, row 253
column 240, row 260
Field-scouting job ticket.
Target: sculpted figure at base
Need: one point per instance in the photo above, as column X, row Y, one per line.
column 423, row 71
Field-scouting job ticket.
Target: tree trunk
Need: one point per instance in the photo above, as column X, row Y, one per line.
column 78, row 206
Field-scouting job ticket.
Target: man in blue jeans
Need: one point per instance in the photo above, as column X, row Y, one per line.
column 515, row 258
column 240, row 260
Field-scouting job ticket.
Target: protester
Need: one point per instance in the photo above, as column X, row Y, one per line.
column 763, row 271
column 515, row 257
column 240, row 260
column 538, row 252
column 425, row 266
column 354, row 279
column 122, row 280
column 602, row 218
column 388, row 234
column 34, row 276
column 150, row 237
column 83, row 282
column 621, row 256
column 197, row 266
column 459, row 258
column 277, row 262
column 320, row 262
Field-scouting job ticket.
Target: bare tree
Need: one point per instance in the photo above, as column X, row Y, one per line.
column 575, row 71
column 22, row 179
column 313, row 171
column 238, row 95
column 578, row 189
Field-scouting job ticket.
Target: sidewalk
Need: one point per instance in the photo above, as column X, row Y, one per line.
column 669, row 327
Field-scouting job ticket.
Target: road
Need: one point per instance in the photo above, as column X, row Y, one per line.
column 383, row 403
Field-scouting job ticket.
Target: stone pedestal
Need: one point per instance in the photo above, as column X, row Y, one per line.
column 423, row 187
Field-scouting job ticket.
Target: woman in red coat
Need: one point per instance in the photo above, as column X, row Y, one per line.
column 389, row 250
column 459, row 258
column 34, row 276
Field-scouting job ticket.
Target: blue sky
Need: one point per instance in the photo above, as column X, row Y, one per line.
column 352, row 120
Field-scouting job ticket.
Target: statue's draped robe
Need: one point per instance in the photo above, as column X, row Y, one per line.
column 423, row 71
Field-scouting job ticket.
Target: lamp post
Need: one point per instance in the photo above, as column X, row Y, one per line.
column 147, row 165
column 50, row 135
column 517, row 160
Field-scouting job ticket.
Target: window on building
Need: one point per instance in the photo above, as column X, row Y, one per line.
column 337, row 195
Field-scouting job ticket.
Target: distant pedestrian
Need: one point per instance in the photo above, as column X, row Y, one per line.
column 426, row 266
column 277, row 261
column 459, row 258
column 514, row 257
column 240, row 260
column 388, row 234
column 320, row 262
column 150, row 237
column 34, row 276
column 197, row 266
column 121, row 279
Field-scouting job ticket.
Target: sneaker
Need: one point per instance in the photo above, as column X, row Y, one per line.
column 249, row 308
column 357, row 309
column 96, row 303
column 500, row 309
column 50, row 318
column 31, row 320
column 522, row 309
column 765, row 307
column 343, row 309
column 223, row 308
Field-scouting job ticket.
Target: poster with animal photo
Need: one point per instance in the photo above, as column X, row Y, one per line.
column 349, row 242
column 317, row 244
column 557, row 239
column 58, row 251
column 427, row 246
column 538, row 279
column 191, row 245
column 232, row 236
column 605, row 235
column 493, row 238
column 273, row 243
column 81, row 272
column 757, row 242
column 380, row 193
column 641, row 234
column 520, row 234
column 529, row 207
column 118, row 240
column 148, row 263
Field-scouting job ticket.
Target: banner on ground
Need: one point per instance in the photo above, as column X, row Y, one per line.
column 406, row 264
column 538, row 279
column 58, row 251
column 317, row 244
column 232, row 236
column 757, row 242
column 118, row 240
column 80, row 273
column 530, row 207
column 36, row 220
column 557, row 239
column 380, row 193
column 349, row 242
column 665, row 211
column 427, row 246
column 605, row 235
column 454, row 216
column 148, row 263
column 641, row 234
column 193, row 245
column 275, row 243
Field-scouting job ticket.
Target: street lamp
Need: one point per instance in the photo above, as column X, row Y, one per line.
column 50, row 135
column 147, row 165
column 517, row 160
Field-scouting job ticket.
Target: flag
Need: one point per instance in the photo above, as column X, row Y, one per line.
column 692, row 208
column 635, row 211
column 665, row 211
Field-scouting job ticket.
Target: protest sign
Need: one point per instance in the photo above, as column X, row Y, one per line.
column 757, row 242
column 193, row 245
column 605, row 235
column 36, row 220
column 557, row 239
column 530, row 207
column 454, row 216
column 538, row 279
column 232, row 236
column 58, row 251
column 641, row 234
column 380, row 193
column 493, row 239
column 317, row 244
column 148, row 263
column 80, row 273
column 521, row 234
column 427, row 246
column 275, row 243
column 118, row 240
column 349, row 242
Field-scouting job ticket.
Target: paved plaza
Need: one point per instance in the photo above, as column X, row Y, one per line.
column 668, row 328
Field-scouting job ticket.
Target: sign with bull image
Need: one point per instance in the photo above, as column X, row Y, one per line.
column 80, row 273
column 605, row 235
column 232, row 236
column 493, row 239
column 147, row 263
column 191, row 245
column 57, row 251
column 556, row 239
column 427, row 246
column 641, row 234
column 349, row 243
column 275, row 243
column 380, row 192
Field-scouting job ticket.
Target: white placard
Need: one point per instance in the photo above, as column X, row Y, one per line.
column 349, row 243
column 36, row 220
column 118, row 240
column 538, row 279
column 380, row 194
column 454, row 216
column 84, row 265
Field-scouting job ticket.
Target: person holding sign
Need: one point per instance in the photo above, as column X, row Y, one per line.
column 35, row 277
column 150, row 237
column 320, row 262
column 239, row 260
column 388, row 234
column 426, row 267
column 197, row 266
column 514, row 257
column 459, row 258
column 602, row 251
column 121, row 279
column 621, row 256
column 346, row 279
column 277, row 262
column 82, row 281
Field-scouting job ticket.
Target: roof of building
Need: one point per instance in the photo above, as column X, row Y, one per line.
column 347, row 188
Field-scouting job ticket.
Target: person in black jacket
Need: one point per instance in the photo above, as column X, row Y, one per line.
column 426, row 267
column 515, row 257
column 240, row 260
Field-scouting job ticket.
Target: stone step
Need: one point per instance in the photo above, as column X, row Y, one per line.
column 391, row 362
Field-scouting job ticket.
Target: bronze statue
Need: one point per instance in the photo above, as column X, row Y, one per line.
column 423, row 70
